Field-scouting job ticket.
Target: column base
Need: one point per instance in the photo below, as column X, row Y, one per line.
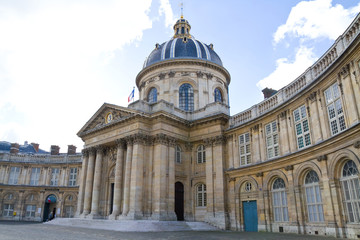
column 164, row 216
column 217, row 219
column 93, row 216
column 113, row 216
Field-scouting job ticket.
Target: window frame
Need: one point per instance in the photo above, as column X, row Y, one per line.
column 14, row 175
column 301, row 138
column 245, row 144
column 8, row 209
column 279, row 202
column 201, row 154
column 30, row 212
column 315, row 209
column 152, row 95
column 54, row 181
column 218, row 97
column 201, row 197
column 186, row 97
column 72, row 177
column 272, row 147
column 178, row 154
column 35, row 176
column 336, row 119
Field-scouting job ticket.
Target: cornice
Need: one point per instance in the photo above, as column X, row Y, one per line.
column 173, row 62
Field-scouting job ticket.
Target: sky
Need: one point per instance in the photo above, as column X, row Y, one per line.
column 60, row 60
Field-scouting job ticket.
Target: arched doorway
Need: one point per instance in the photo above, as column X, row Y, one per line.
column 179, row 201
column 49, row 207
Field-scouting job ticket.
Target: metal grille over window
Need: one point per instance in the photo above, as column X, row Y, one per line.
column 350, row 184
column 186, row 97
column 218, row 96
column 302, row 127
column 245, row 149
column 334, row 109
column 201, row 154
column 201, row 195
column 313, row 198
column 272, row 140
column 279, row 198
column 178, row 154
column 152, row 96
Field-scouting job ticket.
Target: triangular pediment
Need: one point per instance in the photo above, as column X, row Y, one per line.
column 106, row 115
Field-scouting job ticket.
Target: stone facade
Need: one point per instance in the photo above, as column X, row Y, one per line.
column 292, row 160
column 33, row 185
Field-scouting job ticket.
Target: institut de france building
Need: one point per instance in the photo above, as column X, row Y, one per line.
column 288, row 164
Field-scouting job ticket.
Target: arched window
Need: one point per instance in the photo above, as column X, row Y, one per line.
column 178, row 154
column 152, row 96
column 186, row 97
column 201, row 154
column 201, row 195
column 351, row 188
column 313, row 198
column 279, row 198
column 218, row 96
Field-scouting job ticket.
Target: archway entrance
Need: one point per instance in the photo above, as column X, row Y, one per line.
column 49, row 208
column 179, row 201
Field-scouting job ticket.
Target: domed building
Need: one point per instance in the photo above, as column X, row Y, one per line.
column 288, row 164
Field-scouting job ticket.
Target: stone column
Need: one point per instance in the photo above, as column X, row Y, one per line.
column 129, row 143
column 292, row 210
column 48, row 176
column 137, row 177
column 255, row 145
column 81, row 195
column 89, row 182
column 313, row 117
column 171, row 180
column 219, row 182
column 97, row 182
column 118, row 178
column 232, row 205
column 28, row 176
column 209, row 171
column 283, row 133
column 300, row 209
column 159, row 184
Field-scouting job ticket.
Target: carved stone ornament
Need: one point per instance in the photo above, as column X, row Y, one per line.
column 161, row 139
column 140, row 138
column 209, row 75
column 199, row 74
column 357, row 144
column 321, row 158
column 256, row 128
column 208, row 142
column 312, row 97
column 162, row 76
column 100, row 149
column 282, row 115
column 172, row 142
column 185, row 74
column 171, row 74
column 91, row 151
column 188, row 146
column 112, row 153
column 220, row 139
column 232, row 179
column 129, row 140
column 289, row 168
column 85, row 152
column 260, row 174
column 120, row 143
column 345, row 70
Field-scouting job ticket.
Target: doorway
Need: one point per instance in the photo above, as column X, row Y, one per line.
column 250, row 216
column 179, row 201
column 49, row 208
column 111, row 198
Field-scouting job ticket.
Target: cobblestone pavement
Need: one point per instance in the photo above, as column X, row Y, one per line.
column 38, row 231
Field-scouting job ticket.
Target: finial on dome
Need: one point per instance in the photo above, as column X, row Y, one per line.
column 182, row 15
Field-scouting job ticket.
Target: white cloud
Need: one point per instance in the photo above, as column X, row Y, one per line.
column 165, row 8
column 51, row 54
column 287, row 71
column 315, row 19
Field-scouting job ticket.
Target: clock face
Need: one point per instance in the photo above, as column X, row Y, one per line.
column 109, row 117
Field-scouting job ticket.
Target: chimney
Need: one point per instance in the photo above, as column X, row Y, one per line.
column 71, row 150
column 268, row 92
column 54, row 150
column 36, row 146
column 14, row 149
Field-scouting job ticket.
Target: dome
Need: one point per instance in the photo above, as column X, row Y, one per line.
column 182, row 46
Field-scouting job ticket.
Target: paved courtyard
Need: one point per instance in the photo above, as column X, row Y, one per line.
column 38, row 231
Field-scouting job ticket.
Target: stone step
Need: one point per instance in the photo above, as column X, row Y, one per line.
column 133, row 225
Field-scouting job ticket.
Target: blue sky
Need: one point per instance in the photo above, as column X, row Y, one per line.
column 61, row 60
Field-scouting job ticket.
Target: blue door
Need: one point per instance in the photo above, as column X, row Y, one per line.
column 250, row 216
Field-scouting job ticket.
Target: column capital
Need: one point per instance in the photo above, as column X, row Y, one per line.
column 221, row 139
column 100, row 149
column 85, row 152
column 189, row 146
column 208, row 142
column 120, row 143
column 91, row 151
column 172, row 142
column 161, row 139
column 140, row 138
column 129, row 140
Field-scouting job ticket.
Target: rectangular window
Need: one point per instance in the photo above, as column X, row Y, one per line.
column 14, row 175
column 272, row 140
column 334, row 109
column 72, row 176
column 35, row 176
column 245, row 149
column 8, row 210
column 54, row 176
column 302, row 130
column 30, row 210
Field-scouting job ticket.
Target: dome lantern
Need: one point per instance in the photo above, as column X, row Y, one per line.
column 182, row 28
